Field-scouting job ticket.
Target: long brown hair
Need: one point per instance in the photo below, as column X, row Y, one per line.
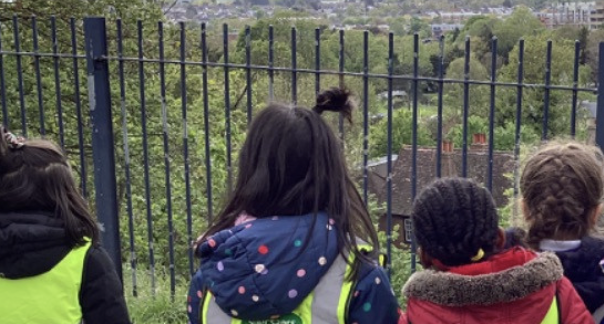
column 561, row 185
column 36, row 177
column 292, row 164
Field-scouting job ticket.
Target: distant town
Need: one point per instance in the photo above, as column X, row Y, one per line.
column 338, row 14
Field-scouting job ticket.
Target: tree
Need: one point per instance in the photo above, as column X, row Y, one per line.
column 519, row 24
column 477, row 94
column 592, row 50
column 418, row 26
column 534, row 73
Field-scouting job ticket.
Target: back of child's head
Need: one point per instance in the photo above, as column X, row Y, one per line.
column 455, row 220
column 292, row 163
column 35, row 176
column 561, row 187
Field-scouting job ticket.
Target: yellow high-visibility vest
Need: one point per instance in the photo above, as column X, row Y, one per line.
column 48, row 298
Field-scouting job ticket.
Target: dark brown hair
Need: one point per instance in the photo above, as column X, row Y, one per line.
column 561, row 186
column 292, row 164
column 36, row 177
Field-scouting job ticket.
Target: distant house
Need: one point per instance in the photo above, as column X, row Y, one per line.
column 439, row 30
column 451, row 165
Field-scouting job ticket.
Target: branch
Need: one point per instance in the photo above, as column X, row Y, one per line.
column 171, row 6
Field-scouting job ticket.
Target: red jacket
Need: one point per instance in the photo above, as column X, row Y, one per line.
column 516, row 286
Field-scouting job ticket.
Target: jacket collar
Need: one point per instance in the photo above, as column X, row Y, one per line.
column 478, row 284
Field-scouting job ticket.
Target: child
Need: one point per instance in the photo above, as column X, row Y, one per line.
column 52, row 269
column 562, row 187
column 469, row 277
column 288, row 247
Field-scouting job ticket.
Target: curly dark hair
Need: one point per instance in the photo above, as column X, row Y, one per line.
column 453, row 218
column 561, row 186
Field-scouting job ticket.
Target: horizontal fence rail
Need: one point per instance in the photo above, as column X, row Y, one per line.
column 169, row 106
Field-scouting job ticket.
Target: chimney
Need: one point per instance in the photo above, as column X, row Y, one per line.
column 447, row 147
column 479, row 143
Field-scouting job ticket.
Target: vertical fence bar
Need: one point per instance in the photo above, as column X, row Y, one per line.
column 365, row 114
column 518, row 121
column 573, row 115
column 185, row 142
column 248, row 72
column 120, row 53
column 99, row 93
column 548, row 78
column 164, row 114
column 414, row 140
column 206, row 118
column 389, row 157
column 55, row 59
column 341, row 83
column 294, row 49
column 466, row 108
column 600, row 104
column 227, row 107
column 141, row 81
column 317, row 61
column 5, row 118
column 439, row 134
column 271, row 59
column 78, row 104
column 20, row 75
column 34, row 27
column 492, row 113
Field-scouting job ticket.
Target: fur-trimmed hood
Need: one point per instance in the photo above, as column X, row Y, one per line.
column 514, row 283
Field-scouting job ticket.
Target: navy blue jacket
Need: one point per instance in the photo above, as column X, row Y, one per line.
column 270, row 265
column 582, row 268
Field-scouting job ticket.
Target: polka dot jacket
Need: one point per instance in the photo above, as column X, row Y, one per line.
column 266, row 267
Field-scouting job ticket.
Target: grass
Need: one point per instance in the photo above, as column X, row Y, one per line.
column 158, row 308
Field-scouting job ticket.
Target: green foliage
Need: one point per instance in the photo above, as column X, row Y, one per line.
column 205, row 191
column 477, row 96
column 402, row 131
column 533, row 103
column 520, row 24
column 158, row 308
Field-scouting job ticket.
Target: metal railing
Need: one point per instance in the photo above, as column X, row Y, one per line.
column 114, row 77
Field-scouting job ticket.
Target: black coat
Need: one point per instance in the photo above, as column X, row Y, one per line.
column 33, row 243
column 582, row 268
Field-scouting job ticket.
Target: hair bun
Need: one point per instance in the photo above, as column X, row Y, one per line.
column 337, row 100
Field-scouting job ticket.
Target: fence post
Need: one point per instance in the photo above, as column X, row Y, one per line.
column 600, row 104
column 99, row 95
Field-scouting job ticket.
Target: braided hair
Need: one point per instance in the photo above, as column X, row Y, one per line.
column 561, row 186
column 454, row 219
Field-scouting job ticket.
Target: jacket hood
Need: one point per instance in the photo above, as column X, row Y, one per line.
column 478, row 284
column 268, row 266
column 30, row 244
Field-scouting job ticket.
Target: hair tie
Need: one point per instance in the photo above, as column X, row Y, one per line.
column 14, row 142
column 479, row 255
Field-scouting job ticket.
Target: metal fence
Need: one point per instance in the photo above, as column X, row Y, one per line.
column 47, row 80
